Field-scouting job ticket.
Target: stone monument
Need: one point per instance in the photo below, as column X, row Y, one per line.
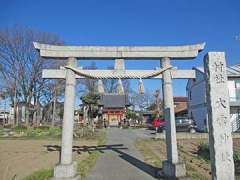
column 220, row 137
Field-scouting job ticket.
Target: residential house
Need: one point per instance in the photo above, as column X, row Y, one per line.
column 180, row 109
column 180, row 106
column 197, row 107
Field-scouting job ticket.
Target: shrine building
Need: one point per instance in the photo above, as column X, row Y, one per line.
column 113, row 107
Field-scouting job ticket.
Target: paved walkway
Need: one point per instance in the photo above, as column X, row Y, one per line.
column 121, row 159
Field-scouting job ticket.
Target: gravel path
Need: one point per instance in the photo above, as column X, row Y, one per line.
column 121, row 159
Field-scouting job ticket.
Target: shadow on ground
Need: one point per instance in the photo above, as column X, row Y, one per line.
column 149, row 169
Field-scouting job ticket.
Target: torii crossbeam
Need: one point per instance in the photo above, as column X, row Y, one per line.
column 119, row 52
column 66, row 168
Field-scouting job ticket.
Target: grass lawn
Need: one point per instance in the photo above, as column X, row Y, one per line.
column 34, row 133
column 154, row 152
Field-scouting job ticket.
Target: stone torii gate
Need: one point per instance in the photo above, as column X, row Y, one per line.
column 172, row 167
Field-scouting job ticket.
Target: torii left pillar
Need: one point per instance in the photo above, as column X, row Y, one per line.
column 67, row 169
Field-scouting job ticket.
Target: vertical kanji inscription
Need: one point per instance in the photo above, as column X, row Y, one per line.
column 220, row 137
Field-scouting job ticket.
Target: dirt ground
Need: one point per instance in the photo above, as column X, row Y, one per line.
column 20, row 158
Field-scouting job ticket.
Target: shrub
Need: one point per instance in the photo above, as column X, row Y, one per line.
column 8, row 126
column 34, row 132
column 236, row 156
column 43, row 127
column 85, row 131
column 20, row 129
column 203, row 151
column 55, row 132
column 125, row 126
column 38, row 132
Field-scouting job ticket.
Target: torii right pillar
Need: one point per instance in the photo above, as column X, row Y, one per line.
column 172, row 167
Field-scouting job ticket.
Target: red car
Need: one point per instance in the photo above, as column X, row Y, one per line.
column 158, row 122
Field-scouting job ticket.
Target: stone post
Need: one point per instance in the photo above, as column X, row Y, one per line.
column 67, row 168
column 220, row 137
column 119, row 64
column 172, row 167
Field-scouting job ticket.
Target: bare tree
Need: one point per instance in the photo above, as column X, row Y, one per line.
column 141, row 101
column 110, row 85
column 50, row 96
column 91, row 84
column 21, row 65
column 158, row 102
column 90, row 96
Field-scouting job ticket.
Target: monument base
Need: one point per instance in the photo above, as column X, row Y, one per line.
column 174, row 171
column 66, row 172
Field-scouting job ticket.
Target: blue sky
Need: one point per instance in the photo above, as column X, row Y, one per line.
column 135, row 22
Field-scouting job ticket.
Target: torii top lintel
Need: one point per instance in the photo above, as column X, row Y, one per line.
column 119, row 52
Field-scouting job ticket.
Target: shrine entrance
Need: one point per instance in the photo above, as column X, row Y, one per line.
column 172, row 167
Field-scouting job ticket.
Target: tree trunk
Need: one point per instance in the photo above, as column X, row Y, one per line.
column 27, row 111
column 35, row 118
column 39, row 116
column 39, row 111
column 27, row 116
column 17, row 116
column 54, row 108
column 15, row 112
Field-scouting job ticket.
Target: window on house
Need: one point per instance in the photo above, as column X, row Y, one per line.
column 237, row 85
column 176, row 104
column 192, row 116
column 237, row 82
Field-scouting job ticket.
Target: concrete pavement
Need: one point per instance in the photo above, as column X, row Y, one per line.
column 122, row 160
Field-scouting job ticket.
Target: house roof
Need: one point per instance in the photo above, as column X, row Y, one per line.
column 180, row 99
column 114, row 101
column 232, row 71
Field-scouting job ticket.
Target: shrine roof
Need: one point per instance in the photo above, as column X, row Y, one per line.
column 114, row 101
